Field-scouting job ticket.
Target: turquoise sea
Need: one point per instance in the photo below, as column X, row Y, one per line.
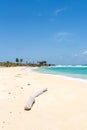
column 68, row 71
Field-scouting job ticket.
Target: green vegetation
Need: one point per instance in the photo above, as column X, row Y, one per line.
column 19, row 62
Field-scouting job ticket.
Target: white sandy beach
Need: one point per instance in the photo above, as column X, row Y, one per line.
column 62, row 107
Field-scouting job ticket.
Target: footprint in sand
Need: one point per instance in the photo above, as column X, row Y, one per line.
column 28, row 84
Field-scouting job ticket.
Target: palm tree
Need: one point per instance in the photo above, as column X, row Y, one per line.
column 17, row 60
column 42, row 63
column 21, row 60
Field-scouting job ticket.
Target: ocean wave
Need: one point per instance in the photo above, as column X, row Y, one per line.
column 72, row 66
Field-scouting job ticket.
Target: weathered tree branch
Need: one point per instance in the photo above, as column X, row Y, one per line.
column 31, row 99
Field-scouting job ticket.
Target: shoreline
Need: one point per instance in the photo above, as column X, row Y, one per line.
column 58, row 75
column 62, row 107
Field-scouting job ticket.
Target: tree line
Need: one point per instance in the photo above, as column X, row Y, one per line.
column 19, row 62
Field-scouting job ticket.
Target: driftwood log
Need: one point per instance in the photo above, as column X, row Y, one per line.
column 31, row 99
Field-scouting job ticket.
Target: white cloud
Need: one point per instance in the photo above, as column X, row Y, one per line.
column 56, row 12
column 75, row 55
column 63, row 36
column 84, row 52
column 63, row 33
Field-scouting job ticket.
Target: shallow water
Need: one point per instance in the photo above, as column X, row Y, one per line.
column 69, row 71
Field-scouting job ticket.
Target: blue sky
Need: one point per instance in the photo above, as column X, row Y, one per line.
column 52, row 30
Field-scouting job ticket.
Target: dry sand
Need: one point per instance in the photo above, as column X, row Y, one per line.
column 62, row 107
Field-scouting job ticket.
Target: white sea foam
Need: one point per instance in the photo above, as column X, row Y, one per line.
column 70, row 66
column 65, row 77
column 71, row 78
